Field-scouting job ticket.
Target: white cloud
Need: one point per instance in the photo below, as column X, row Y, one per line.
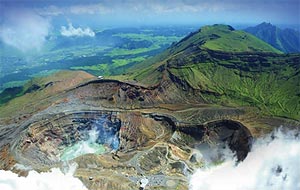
column 80, row 9
column 53, row 180
column 149, row 7
column 24, row 30
column 71, row 31
column 272, row 164
column 90, row 9
column 176, row 7
column 51, row 10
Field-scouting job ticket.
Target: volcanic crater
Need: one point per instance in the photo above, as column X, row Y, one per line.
column 119, row 133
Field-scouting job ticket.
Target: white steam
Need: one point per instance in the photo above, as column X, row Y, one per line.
column 89, row 146
column 53, row 180
column 71, row 31
column 273, row 163
column 24, row 29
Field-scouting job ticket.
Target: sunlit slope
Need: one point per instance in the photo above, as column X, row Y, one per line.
column 216, row 38
column 225, row 38
column 40, row 89
column 230, row 70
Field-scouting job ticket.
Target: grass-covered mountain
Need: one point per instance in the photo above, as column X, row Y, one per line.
column 215, row 65
column 286, row 40
column 225, row 38
column 230, row 67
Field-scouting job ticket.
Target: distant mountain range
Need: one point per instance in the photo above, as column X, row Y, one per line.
column 286, row 40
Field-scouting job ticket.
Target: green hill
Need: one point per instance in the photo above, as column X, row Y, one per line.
column 225, row 38
column 230, row 68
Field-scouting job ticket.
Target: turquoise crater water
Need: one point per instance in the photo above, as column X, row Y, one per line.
column 98, row 136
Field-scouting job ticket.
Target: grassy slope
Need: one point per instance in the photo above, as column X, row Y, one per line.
column 49, row 87
column 274, row 92
column 224, row 38
column 235, row 41
column 270, row 82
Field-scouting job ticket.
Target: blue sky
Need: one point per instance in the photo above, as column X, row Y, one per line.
column 152, row 12
column 26, row 24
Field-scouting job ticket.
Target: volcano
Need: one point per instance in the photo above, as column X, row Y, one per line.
column 218, row 87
